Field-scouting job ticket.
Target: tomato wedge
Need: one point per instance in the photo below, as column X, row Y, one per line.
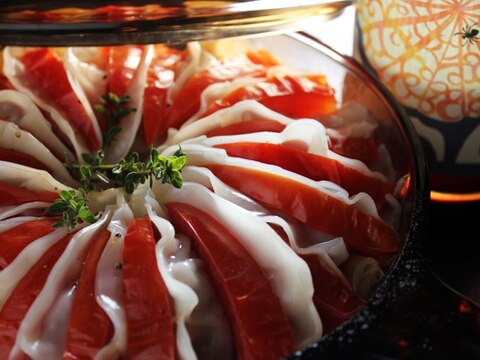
column 313, row 166
column 259, row 324
column 160, row 77
column 89, row 328
column 149, row 313
column 301, row 96
column 187, row 101
column 24, row 294
column 14, row 240
column 334, row 298
column 5, row 83
column 15, row 195
column 47, row 69
column 362, row 233
column 364, row 149
column 262, row 57
column 21, row 158
column 122, row 65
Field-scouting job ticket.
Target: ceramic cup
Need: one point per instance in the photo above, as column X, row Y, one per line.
column 427, row 53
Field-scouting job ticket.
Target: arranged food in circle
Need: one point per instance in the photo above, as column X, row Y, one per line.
column 193, row 203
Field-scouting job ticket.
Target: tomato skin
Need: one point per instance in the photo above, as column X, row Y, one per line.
column 149, row 313
column 15, row 195
column 362, row 233
column 47, row 69
column 5, row 84
column 334, row 299
column 14, row 240
column 333, row 296
column 262, row 57
column 154, row 109
column 21, row 158
column 187, row 102
column 293, row 96
column 160, row 77
column 363, row 149
column 259, row 324
column 89, row 328
column 24, row 294
column 122, row 65
column 313, row 166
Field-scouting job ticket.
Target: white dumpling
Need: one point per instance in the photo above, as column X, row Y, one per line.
column 289, row 275
column 31, row 179
column 80, row 62
column 35, row 208
column 16, row 270
column 19, row 109
column 42, row 333
column 14, row 138
column 363, row 273
column 109, row 283
column 242, row 111
column 15, row 72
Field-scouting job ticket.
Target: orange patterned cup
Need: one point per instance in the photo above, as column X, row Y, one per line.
column 427, row 53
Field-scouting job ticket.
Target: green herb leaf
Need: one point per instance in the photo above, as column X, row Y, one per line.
column 127, row 173
column 73, row 208
column 114, row 109
column 58, row 207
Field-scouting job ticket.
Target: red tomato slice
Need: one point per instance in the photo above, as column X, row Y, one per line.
column 362, row 233
column 15, row 195
column 294, row 96
column 262, row 57
column 21, row 158
column 334, row 298
column 364, row 149
column 160, row 77
column 122, row 65
column 47, row 69
column 14, row 240
column 313, row 166
column 259, row 323
column 247, row 127
column 90, row 328
column 150, row 323
column 5, row 84
column 24, row 294
column 187, row 102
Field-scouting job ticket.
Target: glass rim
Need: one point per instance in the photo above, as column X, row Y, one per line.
column 93, row 23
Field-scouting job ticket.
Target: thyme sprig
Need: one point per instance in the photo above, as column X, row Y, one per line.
column 130, row 172
column 127, row 173
column 113, row 107
column 73, row 207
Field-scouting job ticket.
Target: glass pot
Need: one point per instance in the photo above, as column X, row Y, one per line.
column 360, row 108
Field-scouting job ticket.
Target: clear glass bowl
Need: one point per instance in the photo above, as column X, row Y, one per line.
column 355, row 89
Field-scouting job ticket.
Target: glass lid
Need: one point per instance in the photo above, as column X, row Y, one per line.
column 82, row 23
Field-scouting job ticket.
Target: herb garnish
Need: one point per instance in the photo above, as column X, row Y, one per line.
column 127, row 173
column 114, row 109
column 73, row 207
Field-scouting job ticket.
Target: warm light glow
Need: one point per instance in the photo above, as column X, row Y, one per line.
column 464, row 307
column 453, row 197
